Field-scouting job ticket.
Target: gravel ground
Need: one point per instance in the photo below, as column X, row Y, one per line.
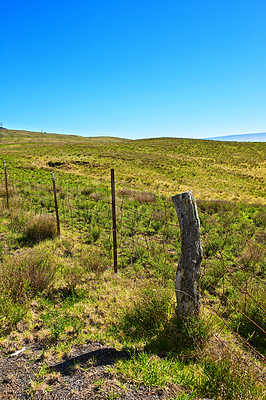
column 82, row 376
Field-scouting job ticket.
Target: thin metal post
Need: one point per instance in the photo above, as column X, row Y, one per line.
column 56, row 207
column 114, row 218
column 7, row 202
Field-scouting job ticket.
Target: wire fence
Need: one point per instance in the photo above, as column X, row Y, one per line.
column 148, row 240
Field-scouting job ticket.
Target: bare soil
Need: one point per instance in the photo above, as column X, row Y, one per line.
column 83, row 375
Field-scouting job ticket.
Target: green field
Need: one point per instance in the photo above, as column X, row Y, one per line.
column 213, row 170
column 61, row 291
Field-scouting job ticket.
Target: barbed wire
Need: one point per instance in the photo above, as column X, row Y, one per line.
column 235, row 233
column 238, row 309
column 243, row 340
column 141, row 238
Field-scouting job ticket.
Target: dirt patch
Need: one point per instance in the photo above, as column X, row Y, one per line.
column 83, row 375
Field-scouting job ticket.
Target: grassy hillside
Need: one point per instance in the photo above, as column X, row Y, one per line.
column 59, row 296
column 213, row 170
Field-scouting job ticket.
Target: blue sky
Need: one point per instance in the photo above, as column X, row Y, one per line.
column 134, row 69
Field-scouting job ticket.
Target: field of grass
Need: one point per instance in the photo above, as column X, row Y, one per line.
column 213, row 170
column 61, row 291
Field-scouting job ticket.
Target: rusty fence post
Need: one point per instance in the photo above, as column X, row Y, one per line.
column 56, row 206
column 7, row 200
column 114, row 219
column 188, row 270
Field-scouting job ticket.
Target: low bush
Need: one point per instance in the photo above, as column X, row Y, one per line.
column 40, row 227
column 26, row 274
column 87, row 190
column 1, row 251
column 142, row 197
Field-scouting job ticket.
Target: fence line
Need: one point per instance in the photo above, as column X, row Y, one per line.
column 235, row 233
column 96, row 206
column 256, row 352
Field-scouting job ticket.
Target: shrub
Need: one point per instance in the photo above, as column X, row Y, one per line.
column 40, row 227
column 195, row 331
column 93, row 235
column 97, row 196
column 185, row 337
column 27, row 274
column 67, row 246
column 142, row 197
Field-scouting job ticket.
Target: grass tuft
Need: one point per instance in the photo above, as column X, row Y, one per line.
column 228, row 378
column 27, row 274
column 146, row 315
column 40, row 227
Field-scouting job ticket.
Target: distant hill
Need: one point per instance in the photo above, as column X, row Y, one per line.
column 249, row 137
column 19, row 136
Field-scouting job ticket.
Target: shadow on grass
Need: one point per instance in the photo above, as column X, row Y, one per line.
column 180, row 337
column 100, row 357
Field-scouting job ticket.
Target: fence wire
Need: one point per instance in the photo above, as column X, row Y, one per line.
column 232, row 273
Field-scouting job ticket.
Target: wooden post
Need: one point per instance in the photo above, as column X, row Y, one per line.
column 187, row 277
column 114, row 218
column 7, row 202
column 56, row 206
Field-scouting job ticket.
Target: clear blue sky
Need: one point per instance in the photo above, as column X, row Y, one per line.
column 142, row 68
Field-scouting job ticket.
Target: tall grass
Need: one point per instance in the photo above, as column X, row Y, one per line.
column 27, row 273
column 40, row 227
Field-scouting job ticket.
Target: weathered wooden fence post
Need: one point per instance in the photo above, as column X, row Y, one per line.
column 114, row 218
column 7, row 201
column 188, row 270
column 56, row 206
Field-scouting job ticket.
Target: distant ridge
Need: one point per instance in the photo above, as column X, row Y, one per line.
column 248, row 137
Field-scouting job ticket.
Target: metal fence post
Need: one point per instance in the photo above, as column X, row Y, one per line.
column 56, row 206
column 7, row 201
column 114, row 218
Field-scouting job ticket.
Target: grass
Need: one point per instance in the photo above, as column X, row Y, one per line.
column 156, row 371
column 62, row 290
column 146, row 314
column 227, row 378
column 28, row 273
column 39, row 228
column 223, row 378
column 231, row 171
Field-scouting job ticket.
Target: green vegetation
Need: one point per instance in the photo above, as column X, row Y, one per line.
column 61, row 291
column 214, row 170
